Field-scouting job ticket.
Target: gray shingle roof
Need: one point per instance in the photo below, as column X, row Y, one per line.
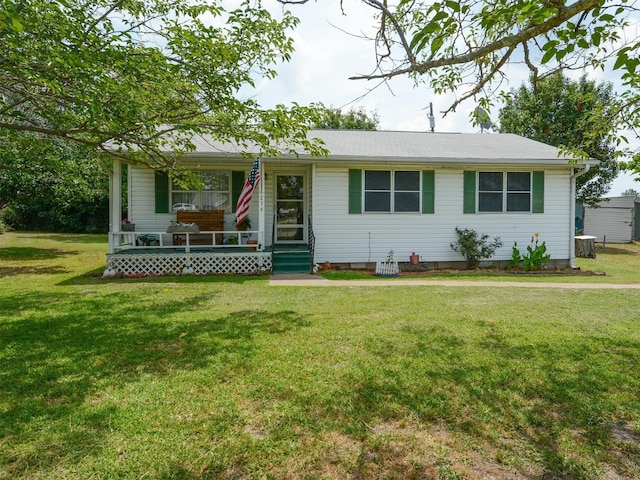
column 390, row 146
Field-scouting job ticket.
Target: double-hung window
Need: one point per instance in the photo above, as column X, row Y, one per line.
column 214, row 195
column 504, row 191
column 391, row 191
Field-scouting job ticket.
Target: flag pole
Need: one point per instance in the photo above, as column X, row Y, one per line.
column 261, row 208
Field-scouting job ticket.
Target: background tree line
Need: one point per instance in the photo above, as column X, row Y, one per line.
column 68, row 191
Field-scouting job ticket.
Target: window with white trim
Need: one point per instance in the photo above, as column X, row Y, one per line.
column 391, row 191
column 215, row 194
column 504, row 191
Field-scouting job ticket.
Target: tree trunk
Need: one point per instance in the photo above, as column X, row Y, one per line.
column 586, row 246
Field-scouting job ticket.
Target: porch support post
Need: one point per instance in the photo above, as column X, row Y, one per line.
column 310, row 215
column 115, row 203
column 261, row 211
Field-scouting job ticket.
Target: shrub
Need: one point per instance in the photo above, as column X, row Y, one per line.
column 81, row 216
column 475, row 247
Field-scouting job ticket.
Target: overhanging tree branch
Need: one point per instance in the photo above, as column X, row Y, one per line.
column 511, row 41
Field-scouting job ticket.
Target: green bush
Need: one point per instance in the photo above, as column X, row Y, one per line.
column 475, row 247
column 91, row 216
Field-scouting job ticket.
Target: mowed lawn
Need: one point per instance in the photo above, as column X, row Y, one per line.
column 231, row 378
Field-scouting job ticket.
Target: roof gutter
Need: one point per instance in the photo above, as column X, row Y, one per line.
column 572, row 209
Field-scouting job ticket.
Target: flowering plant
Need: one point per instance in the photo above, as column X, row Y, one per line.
column 126, row 220
column 536, row 257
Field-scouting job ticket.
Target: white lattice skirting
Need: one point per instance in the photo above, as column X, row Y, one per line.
column 192, row 263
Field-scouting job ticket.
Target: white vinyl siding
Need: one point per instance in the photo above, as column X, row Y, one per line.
column 344, row 237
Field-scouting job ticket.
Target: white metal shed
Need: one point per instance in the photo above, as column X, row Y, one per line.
column 613, row 220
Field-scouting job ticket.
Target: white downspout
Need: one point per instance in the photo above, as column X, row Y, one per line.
column 572, row 222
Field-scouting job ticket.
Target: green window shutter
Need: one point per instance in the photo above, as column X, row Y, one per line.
column 537, row 191
column 162, row 192
column 237, row 183
column 469, row 204
column 355, row 191
column 428, row 191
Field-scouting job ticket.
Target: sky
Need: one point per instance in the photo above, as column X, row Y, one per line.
column 329, row 49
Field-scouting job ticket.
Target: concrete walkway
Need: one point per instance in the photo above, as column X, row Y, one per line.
column 301, row 280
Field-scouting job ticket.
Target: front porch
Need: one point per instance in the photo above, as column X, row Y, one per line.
column 153, row 253
column 156, row 253
column 159, row 236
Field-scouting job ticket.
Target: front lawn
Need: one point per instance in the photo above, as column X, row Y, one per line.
column 231, row 378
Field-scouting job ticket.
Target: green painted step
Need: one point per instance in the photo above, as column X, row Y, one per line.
column 291, row 261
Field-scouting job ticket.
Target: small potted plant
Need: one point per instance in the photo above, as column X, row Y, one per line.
column 414, row 258
column 244, row 225
column 127, row 226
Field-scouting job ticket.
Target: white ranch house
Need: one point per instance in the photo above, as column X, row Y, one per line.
column 376, row 191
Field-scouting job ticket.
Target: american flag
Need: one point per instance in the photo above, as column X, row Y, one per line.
column 242, row 207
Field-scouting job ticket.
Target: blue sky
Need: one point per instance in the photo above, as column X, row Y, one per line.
column 330, row 48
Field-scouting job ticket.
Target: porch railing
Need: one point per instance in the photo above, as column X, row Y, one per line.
column 150, row 240
column 312, row 240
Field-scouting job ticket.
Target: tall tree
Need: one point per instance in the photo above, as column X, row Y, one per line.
column 565, row 113
column 142, row 76
column 354, row 119
column 63, row 169
column 65, row 189
column 466, row 46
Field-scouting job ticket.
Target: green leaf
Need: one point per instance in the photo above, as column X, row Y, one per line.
column 436, row 45
column 549, row 54
column 620, row 60
column 417, row 39
column 453, row 5
column 17, row 25
column 439, row 16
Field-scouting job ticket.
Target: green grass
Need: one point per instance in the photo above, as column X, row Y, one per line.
column 206, row 378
